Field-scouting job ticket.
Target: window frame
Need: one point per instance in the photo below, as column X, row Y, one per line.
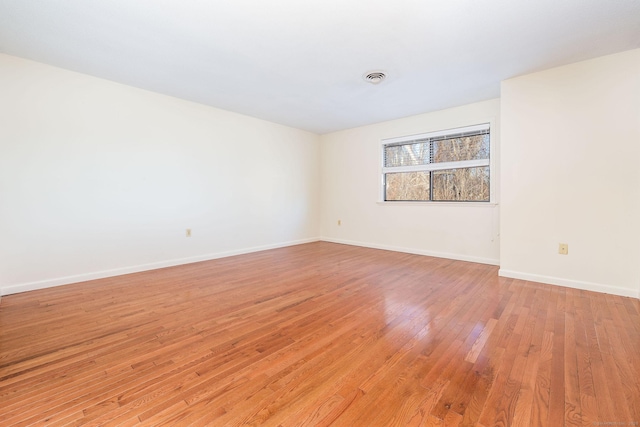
column 430, row 167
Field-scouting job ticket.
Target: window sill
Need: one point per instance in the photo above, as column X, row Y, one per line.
column 465, row 204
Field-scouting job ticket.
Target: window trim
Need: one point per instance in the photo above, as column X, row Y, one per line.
column 490, row 162
column 435, row 134
column 439, row 166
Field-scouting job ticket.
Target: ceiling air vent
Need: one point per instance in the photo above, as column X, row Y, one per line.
column 374, row 77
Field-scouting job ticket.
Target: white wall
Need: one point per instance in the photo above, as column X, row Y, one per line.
column 350, row 191
column 98, row 178
column 570, row 174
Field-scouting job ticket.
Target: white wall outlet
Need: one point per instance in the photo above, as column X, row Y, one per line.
column 563, row 249
column 188, row 232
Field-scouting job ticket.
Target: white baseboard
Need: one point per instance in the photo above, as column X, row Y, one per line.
column 596, row 287
column 576, row 284
column 415, row 251
column 42, row 284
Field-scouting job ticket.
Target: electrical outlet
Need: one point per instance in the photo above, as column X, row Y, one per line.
column 339, row 222
column 563, row 249
column 188, row 232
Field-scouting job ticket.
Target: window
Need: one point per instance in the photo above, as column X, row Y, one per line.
column 451, row 166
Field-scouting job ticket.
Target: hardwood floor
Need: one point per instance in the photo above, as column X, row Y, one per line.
column 315, row 335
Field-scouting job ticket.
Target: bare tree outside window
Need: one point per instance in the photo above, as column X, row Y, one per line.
column 417, row 153
column 468, row 184
column 408, row 186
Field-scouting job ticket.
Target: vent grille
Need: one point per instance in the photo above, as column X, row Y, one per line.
column 374, row 77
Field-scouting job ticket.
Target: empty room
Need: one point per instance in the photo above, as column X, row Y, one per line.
column 319, row 213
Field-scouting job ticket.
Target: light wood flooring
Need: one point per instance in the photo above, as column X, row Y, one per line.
column 316, row 335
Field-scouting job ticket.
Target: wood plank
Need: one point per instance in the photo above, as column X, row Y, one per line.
column 572, row 401
column 585, row 376
column 557, row 384
column 522, row 409
column 479, row 343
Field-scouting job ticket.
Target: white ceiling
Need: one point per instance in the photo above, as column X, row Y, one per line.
column 300, row 62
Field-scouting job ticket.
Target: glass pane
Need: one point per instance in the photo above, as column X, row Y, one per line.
column 416, row 153
column 462, row 148
column 467, row 184
column 407, row 186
